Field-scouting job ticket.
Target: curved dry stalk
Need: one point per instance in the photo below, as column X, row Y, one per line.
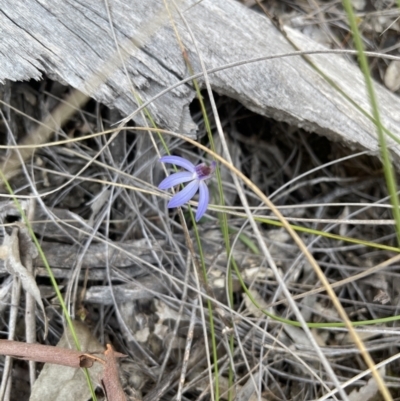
column 5, row 386
column 285, row 223
column 188, row 346
column 238, row 174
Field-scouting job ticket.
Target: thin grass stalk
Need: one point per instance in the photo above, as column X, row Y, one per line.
column 209, row 305
column 201, row 256
column 259, row 218
column 328, row 79
column 296, row 238
column 338, row 237
column 223, row 218
column 311, row 325
column 360, row 345
column 51, row 276
column 201, row 253
column 386, row 159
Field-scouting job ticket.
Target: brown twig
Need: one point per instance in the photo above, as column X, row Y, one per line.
column 46, row 354
column 111, row 383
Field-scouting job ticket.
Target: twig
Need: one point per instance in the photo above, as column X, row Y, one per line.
column 15, row 297
column 30, row 304
column 47, row 354
column 188, row 347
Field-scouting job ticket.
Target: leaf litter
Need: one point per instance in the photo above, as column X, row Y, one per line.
column 18, row 244
column 134, row 237
column 145, row 272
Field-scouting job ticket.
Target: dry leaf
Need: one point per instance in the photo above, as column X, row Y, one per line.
column 60, row 383
column 248, row 392
column 260, row 301
column 382, row 297
column 297, row 335
column 368, row 391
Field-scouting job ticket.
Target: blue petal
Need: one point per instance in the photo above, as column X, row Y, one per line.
column 176, row 179
column 204, row 198
column 185, row 195
column 179, row 161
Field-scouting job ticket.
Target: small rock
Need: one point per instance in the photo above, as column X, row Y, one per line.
column 358, row 5
column 392, row 76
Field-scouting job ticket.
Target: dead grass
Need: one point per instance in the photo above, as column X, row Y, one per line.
column 121, row 259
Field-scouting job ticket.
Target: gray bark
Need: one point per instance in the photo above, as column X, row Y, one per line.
column 71, row 40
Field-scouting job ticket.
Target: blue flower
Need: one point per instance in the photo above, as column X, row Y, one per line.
column 196, row 175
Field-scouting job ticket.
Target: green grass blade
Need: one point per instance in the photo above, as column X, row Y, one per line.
column 386, row 159
column 51, row 276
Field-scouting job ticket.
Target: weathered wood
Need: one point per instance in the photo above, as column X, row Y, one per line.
column 63, row 255
column 142, row 289
column 71, row 41
column 128, row 256
column 63, row 246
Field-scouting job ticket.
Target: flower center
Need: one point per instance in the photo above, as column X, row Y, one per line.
column 203, row 171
